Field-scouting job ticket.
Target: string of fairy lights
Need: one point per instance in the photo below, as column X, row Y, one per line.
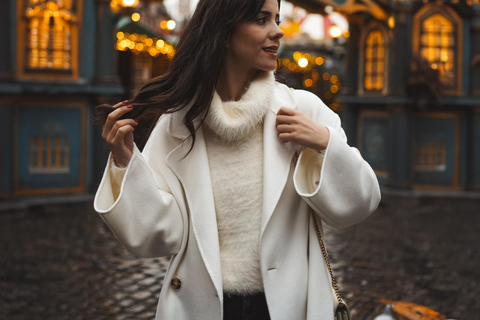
column 138, row 43
column 315, row 76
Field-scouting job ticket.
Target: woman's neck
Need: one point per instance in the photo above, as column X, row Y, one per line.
column 233, row 82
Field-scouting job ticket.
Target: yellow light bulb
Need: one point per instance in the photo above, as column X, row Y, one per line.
column 335, row 31
column 129, row 3
column 136, row 16
column 391, row 22
column 303, row 62
column 171, row 25
column 297, row 56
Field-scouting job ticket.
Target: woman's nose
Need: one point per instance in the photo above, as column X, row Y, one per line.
column 277, row 33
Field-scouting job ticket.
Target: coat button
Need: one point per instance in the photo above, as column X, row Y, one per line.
column 175, row 283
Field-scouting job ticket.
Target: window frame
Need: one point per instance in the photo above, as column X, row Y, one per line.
column 22, row 43
column 374, row 26
column 448, row 13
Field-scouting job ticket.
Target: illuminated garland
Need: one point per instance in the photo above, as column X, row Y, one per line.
column 308, row 65
column 142, row 43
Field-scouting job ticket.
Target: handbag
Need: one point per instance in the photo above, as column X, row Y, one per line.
column 341, row 311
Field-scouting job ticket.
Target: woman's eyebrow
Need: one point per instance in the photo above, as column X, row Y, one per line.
column 268, row 13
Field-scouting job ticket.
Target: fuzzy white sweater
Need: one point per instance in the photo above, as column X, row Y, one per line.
column 234, row 138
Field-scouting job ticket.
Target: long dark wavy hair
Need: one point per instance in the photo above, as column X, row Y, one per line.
column 194, row 69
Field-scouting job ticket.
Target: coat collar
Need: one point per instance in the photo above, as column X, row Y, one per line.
column 194, row 173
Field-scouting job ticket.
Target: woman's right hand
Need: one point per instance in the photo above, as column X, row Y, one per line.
column 119, row 134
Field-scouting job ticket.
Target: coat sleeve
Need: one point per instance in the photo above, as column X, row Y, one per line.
column 337, row 183
column 144, row 216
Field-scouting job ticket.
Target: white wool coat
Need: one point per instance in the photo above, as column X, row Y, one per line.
column 166, row 208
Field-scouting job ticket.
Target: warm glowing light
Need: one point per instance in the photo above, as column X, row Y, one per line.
column 319, row 61
column 153, row 52
column 326, row 76
column 129, row 3
column 297, row 55
column 391, row 22
column 334, row 79
column 434, row 66
column 303, row 62
column 335, row 31
column 334, row 89
column 308, row 83
column 292, row 66
column 142, row 43
column 346, row 34
column 136, row 16
column 171, row 25
column 163, row 24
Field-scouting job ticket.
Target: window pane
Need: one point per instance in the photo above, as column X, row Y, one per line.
column 374, row 60
column 49, row 38
column 437, row 45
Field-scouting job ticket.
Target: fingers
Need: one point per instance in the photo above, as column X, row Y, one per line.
column 120, row 103
column 285, row 137
column 113, row 117
column 121, row 133
column 285, row 120
column 287, row 116
column 110, row 136
column 286, row 111
column 281, row 128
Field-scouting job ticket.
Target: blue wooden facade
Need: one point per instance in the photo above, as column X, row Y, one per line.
column 411, row 89
column 57, row 63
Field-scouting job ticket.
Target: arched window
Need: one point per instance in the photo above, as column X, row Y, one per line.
column 437, row 46
column 374, row 66
column 438, row 39
column 48, row 38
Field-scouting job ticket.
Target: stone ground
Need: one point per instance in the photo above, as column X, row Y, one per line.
column 61, row 262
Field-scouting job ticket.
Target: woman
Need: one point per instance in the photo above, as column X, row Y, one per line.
column 217, row 187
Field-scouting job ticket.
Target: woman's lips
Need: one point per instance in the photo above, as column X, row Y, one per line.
column 272, row 51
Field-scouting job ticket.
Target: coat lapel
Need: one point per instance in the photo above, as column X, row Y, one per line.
column 277, row 155
column 194, row 173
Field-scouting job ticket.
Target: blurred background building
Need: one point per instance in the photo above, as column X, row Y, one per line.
column 403, row 75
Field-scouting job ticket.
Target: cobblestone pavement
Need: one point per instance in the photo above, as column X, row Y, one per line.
column 62, row 262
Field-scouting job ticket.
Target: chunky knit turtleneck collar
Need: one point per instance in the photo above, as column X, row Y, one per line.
column 233, row 120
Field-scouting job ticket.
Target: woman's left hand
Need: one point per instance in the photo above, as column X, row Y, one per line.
column 295, row 126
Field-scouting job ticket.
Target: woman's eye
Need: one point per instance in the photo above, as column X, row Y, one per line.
column 278, row 22
column 262, row 20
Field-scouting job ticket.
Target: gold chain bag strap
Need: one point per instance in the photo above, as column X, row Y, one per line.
column 341, row 311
